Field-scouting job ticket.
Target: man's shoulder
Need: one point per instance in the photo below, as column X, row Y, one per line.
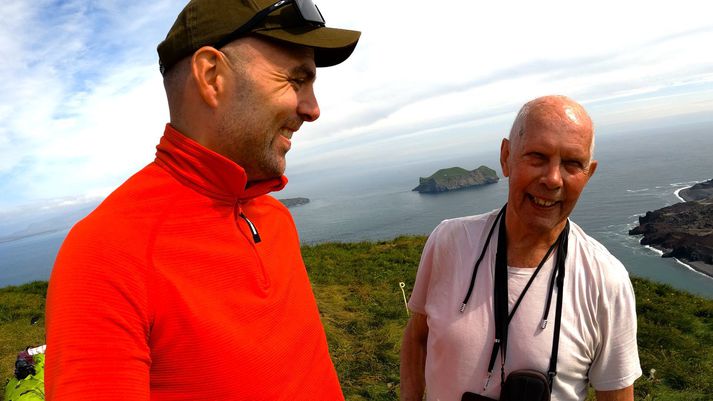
column 596, row 257
column 135, row 203
column 587, row 243
column 469, row 228
column 473, row 221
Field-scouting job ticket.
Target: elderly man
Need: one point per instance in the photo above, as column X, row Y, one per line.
column 187, row 281
column 516, row 304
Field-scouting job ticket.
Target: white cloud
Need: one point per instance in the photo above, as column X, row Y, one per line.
column 82, row 105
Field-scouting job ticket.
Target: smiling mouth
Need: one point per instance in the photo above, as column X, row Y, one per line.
column 542, row 202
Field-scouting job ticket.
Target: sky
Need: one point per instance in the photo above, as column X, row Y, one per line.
column 82, row 104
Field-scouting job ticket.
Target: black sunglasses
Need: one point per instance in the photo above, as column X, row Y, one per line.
column 306, row 9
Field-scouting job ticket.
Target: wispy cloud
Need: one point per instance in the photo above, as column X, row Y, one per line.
column 80, row 96
column 82, row 103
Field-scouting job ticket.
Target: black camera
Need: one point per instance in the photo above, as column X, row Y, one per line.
column 520, row 385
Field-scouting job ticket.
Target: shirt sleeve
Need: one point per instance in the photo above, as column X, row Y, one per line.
column 616, row 361
column 97, row 322
column 417, row 302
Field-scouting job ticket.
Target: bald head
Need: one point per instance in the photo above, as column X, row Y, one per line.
column 552, row 112
column 548, row 162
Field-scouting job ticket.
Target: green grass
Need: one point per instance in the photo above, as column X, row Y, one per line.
column 357, row 289
column 18, row 307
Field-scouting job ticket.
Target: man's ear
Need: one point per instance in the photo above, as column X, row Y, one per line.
column 206, row 73
column 592, row 167
column 504, row 155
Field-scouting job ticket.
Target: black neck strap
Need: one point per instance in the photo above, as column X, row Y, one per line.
column 500, row 295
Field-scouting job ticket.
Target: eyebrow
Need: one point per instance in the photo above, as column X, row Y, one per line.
column 305, row 71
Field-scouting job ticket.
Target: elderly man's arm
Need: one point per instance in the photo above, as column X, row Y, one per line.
column 413, row 358
column 624, row 394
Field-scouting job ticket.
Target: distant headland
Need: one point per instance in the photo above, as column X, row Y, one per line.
column 450, row 179
column 290, row 202
column 683, row 230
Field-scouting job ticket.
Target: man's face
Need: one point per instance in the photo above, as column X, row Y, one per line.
column 548, row 167
column 271, row 96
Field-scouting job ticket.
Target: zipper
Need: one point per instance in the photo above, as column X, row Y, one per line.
column 253, row 229
column 262, row 277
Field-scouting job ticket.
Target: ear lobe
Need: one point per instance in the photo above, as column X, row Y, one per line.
column 504, row 156
column 205, row 74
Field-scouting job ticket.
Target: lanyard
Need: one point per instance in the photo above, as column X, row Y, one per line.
column 500, row 294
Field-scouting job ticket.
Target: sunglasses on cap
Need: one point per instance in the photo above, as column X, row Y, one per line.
column 306, row 9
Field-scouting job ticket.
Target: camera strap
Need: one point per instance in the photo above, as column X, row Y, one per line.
column 500, row 295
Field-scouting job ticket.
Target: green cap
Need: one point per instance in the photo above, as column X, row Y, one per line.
column 207, row 22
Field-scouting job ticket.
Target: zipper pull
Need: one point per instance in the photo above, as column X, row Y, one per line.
column 253, row 229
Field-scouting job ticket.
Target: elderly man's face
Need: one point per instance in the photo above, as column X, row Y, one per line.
column 273, row 95
column 548, row 167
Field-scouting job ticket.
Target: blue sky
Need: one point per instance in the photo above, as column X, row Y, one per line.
column 82, row 105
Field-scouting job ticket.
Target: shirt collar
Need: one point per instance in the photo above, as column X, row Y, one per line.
column 208, row 172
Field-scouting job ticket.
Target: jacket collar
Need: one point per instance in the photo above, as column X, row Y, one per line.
column 208, row 172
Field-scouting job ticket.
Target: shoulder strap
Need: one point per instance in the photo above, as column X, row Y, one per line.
column 480, row 259
column 561, row 257
column 500, row 299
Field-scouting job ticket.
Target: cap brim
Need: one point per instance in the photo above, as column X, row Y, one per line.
column 331, row 45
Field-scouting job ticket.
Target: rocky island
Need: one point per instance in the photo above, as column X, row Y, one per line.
column 290, row 202
column 453, row 178
column 683, row 230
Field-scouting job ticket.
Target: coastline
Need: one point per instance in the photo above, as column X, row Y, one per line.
column 701, row 268
column 696, row 266
column 676, row 193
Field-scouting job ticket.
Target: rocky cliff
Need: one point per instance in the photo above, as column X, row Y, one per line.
column 683, row 230
column 456, row 178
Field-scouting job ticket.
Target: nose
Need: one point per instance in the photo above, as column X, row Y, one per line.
column 307, row 107
column 553, row 175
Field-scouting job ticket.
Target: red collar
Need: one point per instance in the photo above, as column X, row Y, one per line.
column 208, row 172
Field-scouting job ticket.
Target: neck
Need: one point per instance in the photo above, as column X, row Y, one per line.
column 526, row 248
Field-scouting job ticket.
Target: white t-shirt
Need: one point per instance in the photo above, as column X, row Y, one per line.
column 598, row 330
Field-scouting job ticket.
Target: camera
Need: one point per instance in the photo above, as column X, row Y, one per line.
column 520, row 385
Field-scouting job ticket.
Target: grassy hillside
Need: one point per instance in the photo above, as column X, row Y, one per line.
column 357, row 288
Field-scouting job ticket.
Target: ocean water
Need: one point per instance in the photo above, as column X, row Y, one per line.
column 638, row 172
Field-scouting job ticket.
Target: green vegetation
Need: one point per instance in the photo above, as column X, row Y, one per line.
column 357, row 288
column 446, row 173
column 455, row 172
column 19, row 307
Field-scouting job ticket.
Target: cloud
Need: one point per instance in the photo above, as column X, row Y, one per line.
column 80, row 100
column 82, row 104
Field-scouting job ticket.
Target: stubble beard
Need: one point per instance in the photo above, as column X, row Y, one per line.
column 254, row 150
column 247, row 140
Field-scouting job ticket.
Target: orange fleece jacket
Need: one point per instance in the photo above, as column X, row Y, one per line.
column 164, row 292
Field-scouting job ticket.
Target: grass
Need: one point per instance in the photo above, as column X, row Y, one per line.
column 362, row 307
column 18, row 307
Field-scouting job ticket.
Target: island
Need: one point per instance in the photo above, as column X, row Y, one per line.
column 450, row 179
column 683, row 230
column 290, row 202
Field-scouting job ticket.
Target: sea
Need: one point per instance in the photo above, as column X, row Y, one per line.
column 639, row 171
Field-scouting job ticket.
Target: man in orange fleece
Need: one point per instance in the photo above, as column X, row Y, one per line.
column 187, row 281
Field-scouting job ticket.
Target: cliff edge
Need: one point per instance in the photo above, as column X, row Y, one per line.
column 683, row 230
